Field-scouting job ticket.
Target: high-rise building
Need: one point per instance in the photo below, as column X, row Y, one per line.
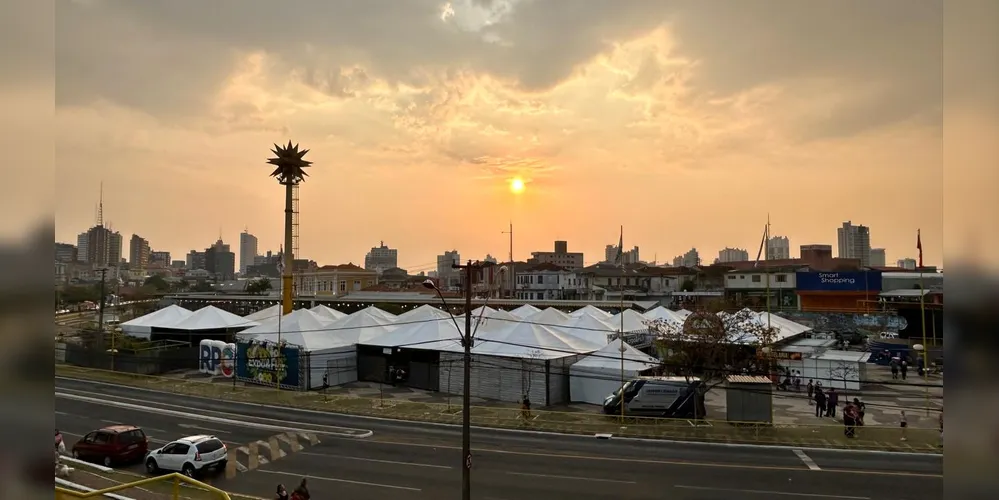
column 854, row 242
column 490, row 259
column 878, row 257
column 160, row 259
column 629, row 256
column 732, row 255
column 561, row 256
column 906, row 263
column 98, row 246
column 778, row 248
column 220, row 262
column 381, row 258
column 195, row 260
column 81, row 247
column 115, row 244
column 690, row 259
column 247, row 250
column 64, row 252
column 138, row 252
column 446, row 273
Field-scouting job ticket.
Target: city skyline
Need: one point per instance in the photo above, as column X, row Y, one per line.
column 632, row 113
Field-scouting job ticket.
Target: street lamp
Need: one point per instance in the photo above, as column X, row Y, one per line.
column 466, row 401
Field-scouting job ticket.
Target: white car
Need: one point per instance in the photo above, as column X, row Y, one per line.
column 190, row 456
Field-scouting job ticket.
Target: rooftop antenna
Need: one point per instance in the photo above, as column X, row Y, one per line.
column 100, row 206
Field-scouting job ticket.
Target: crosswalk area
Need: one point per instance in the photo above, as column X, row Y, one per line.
column 264, row 451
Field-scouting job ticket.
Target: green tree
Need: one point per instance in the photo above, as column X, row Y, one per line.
column 158, row 282
column 258, row 286
column 687, row 286
column 76, row 294
column 202, row 286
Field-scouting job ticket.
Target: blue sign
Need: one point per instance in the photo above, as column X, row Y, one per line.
column 268, row 363
column 852, row 281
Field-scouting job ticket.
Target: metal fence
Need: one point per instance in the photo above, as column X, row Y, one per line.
column 145, row 361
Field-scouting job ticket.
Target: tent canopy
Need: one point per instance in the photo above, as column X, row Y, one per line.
column 491, row 319
column 212, row 318
column 634, row 321
column 429, row 334
column 609, row 359
column 265, row 313
column 528, row 340
column 665, row 314
column 328, row 312
column 423, row 313
column 591, row 310
column 525, row 311
column 590, row 328
column 374, row 311
column 163, row 318
column 785, row 327
column 301, row 327
column 362, row 326
column 549, row 316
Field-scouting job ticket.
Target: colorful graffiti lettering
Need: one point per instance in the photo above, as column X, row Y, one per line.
column 848, row 322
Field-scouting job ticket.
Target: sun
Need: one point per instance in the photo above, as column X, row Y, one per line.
column 517, row 185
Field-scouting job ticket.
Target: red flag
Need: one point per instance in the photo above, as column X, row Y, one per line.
column 919, row 246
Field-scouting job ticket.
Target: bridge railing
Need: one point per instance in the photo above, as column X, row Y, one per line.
column 175, row 480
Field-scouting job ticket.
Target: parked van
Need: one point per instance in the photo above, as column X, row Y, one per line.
column 671, row 397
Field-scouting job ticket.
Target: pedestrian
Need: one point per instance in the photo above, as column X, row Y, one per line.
column 525, row 407
column 796, row 381
column 849, row 420
column 940, row 421
column 820, row 401
column 893, row 364
column 903, row 423
column 904, row 369
column 861, row 410
column 810, row 388
column 302, row 492
column 282, row 493
column 832, row 399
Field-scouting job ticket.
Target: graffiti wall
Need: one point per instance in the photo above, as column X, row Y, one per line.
column 269, row 363
column 217, row 358
column 870, row 323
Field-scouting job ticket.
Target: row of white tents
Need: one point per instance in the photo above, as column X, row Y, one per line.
column 523, row 351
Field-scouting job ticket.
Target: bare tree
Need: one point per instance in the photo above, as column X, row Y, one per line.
column 844, row 371
column 707, row 346
column 528, row 367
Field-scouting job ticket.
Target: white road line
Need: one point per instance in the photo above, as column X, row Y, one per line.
column 112, row 422
column 200, row 428
column 61, row 413
column 807, row 460
column 572, row 478
column 373, row 460
column 337, row 480
column 767, row 492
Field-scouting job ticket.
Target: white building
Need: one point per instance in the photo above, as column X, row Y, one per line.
column 550, row 282
column 755, row 280
column 854, row 242
column 247, row 250
column 732, row 255
column 629, row 256
column 778, row 248
column 689, row 259
column 446, row 273
column 906, row 263
column 381, row 258
column 878, row 257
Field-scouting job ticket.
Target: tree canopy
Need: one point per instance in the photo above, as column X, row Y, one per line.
column 259, row 286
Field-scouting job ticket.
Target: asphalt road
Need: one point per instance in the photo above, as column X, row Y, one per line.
column 405, row 460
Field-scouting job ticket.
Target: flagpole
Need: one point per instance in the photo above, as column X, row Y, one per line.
column 766, row 264
column 922, row 317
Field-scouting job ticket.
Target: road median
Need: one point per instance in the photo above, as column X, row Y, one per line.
column 831, row 436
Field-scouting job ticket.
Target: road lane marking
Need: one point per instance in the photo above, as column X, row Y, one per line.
column 352, row 433
column 768, row 492
column 229, row 418
column 807, row 460
column 571, row 478
column 374, row 460
column 112, row 422
column 61, row 413
column 201, row 428
column 338, row 480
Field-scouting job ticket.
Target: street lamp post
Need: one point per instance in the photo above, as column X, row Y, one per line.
column 466, row 400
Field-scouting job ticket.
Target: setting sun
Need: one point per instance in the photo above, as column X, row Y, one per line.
column 517, row 185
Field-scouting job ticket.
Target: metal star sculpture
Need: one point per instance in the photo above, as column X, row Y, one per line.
column 290, row 163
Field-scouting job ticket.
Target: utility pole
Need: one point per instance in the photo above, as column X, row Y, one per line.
column 513, row 267
column 466, row 400
column 100, row 309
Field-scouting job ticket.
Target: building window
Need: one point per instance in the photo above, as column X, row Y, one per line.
column 731, row 276
column 541, row 280
column 357, row 285
column 343, row 286
column 756, row 278
column 781, row 278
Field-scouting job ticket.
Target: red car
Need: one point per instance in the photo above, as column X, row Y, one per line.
column 113, row 444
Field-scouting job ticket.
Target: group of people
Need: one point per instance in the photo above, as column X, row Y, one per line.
column 827, row 401
column 300, row 493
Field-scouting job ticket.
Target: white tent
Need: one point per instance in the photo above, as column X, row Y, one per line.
column 633, row 321
column 301, row 327
column 594, row 377
column 486, row 318
column 665, row 314
column 428, row 334
column 425, row 312
column 212, row 318
column 594, row 311
column 786, row 328
column 163, row 318
column 683, row 313
column 590, row 328
column 529, row 341
column 328, row 312
column 265, row 314
column 525, row 311
column 362, row 326
column 549, row 317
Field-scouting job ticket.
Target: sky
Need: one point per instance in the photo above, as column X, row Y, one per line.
column 687, row 123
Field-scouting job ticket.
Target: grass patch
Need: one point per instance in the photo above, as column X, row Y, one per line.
column 819, row 436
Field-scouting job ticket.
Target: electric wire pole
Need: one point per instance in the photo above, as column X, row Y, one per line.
column 466, row 400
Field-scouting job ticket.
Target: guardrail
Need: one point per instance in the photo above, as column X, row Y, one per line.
column 85, row 489
column 63, row 493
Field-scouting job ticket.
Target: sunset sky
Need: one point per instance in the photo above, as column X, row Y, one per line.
column 686, row 122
